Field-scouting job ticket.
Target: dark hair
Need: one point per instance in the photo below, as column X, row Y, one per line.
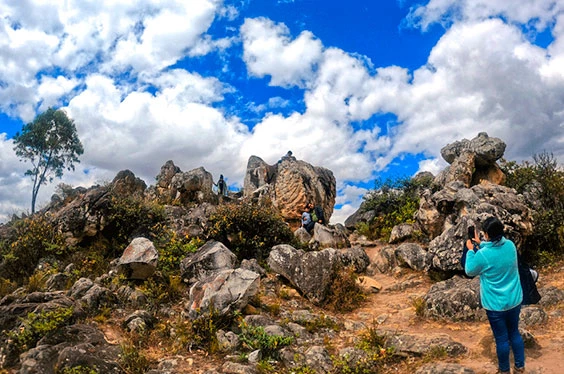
column 494, row 228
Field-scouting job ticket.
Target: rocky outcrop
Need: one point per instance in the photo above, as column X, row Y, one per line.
column 210, row 258
column 313, row 272
column 456, row 299
column 323, row 236
column 225, row 291
column 139, row 260
column 290, row 184
column 175, row 186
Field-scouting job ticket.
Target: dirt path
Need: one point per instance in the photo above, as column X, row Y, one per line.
column 394, row 310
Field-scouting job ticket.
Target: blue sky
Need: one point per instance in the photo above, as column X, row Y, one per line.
column 367, row 89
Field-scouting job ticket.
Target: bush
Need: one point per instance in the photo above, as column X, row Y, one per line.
column 35, row 326
column 543, row 182
column 345, row 294
column 34, row 238
column 249, row 229
column 395, row 201
column 255, row 337
column 172, row 249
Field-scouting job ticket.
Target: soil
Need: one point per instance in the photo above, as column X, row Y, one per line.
column 394, row 310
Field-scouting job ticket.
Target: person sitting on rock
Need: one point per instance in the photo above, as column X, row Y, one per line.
column 317, row 215
column 307, row 222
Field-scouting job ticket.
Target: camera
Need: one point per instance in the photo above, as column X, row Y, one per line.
column 471, row 232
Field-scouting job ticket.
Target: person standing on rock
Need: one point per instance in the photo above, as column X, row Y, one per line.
column 221, row 186
column 495, row 261
column 307, row 222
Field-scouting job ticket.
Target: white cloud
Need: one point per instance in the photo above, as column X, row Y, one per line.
column 269, row 50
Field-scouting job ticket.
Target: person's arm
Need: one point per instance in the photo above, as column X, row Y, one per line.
column 474, row 263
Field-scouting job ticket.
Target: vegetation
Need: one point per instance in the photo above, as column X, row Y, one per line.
column 34, row 238
column 345, row 294
column 543, row 183
column 395, row 201
column 255, row 337
column 35, row 326
column 249, row 228
column 51, row 144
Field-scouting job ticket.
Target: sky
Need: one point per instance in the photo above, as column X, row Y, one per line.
column 367, row 89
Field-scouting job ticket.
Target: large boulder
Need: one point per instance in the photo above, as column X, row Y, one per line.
column 226, row 291
column 486, row 150
column 290, row 184
column 139, row 260
column 210, row 258
column 456, row 299
column 314, row 272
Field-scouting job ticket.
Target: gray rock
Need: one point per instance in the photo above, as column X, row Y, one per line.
column 533, row 315
column 318, row 358
column 486, row 150
column 311, row 272
column 139, row 260
column 302, row 235
column 420, row 344
column 236, row 368
column 253, row 265
column 254, row 357
column 225, row 291
column 550, row 296
column 412, row 255
column 456, row 299
column 444, row 368
column 211, row 258
column 328, row 237
column 401, row 232
column 228, row 341
column 80, row 287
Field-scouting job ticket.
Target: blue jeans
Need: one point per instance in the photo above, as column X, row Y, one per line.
column 505, row 327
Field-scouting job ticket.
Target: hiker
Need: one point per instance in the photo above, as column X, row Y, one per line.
column 307, row 222
column 287, row 156
column 221, row 190
column 317, row 215
column 495, row 260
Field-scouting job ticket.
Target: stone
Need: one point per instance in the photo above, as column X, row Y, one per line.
column 210, row 258
column 328, row 237
column 226, row 291
column 420, row 344
column 455, row 299
column 412, row 255
column 290, row 184
column 533, row 315
column 444, row 368
column 487, row 150
column 400, row 233
column 318, row 358
column 139, row 260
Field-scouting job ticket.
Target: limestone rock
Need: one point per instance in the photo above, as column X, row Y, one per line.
column 126, row 184
column 290, row 184
column 419, row 344
column 329, row 237
column 444, row 368
column 139, row 260
column 456, row 299
column 210, row 258
column 401, row 232
column 412, row 255
column 487, row 150
column 225, row 291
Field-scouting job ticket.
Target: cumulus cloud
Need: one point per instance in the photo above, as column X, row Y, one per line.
column 269, row 50
column 110, row 62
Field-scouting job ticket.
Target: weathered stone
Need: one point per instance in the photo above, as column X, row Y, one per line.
column 139, row 260
column 290, row 184
column 456, row 299
column 533, row 315
column 302, row 235
column 236, row 368
column 444, row 368
column 228, row 341
column 318, row 358
column 550, row 296
column 419, row 344
column 412, row 255
column 329, row 237
column 401, row 232
column 383, row 260
column 461, row 169
column 486, row 150
column 210, row 258
column 225, row 291
column 193, row 186
column 126, row 184
column 311, row 272
column 253, row 265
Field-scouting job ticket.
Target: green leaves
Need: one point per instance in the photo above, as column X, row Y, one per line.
column 51, row 144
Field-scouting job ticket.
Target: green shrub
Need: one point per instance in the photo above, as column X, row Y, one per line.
column 543, row 181
column 394, row 201
column 172, row 248
column 78, row 370
column 132, row 359
column 6, row 287
column 129, row 217
column 35, row 326
column 345, row 293
column 255, row 337
column 249, row 229
column 33, row 239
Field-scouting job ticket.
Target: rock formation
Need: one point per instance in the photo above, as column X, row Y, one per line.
column 290, row 184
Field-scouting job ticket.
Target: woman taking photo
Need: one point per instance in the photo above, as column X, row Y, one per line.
column 495, row 261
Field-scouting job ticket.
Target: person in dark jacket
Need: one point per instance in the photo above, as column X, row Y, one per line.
column 317, row 214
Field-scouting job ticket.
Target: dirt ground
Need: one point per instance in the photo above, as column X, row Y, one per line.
column 396, row 310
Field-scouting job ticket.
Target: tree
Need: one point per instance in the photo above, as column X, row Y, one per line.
column 51, row 144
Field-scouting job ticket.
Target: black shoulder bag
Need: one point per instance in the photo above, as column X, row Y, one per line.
column 528, row 284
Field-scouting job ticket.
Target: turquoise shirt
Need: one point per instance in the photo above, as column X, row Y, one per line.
column 496, row 264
